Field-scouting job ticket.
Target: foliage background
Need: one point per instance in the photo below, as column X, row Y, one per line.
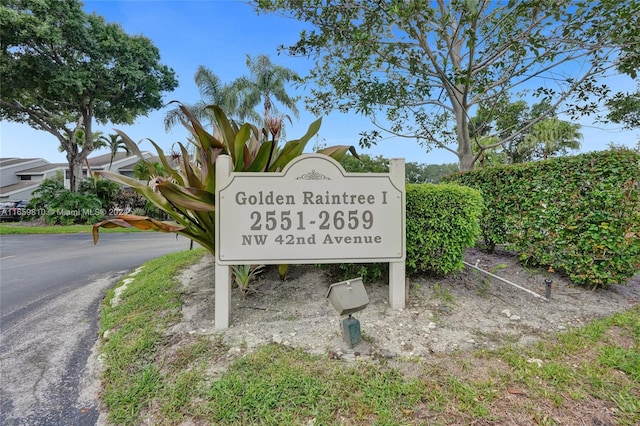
column 579, row 215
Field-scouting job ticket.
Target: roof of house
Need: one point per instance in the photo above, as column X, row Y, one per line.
column 11, row 161
column 17, row 187
column 105, row 159
column 42, row 169
column 127, row 162
column 129, row 167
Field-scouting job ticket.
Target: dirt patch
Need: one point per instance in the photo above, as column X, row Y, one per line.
column 467, row 310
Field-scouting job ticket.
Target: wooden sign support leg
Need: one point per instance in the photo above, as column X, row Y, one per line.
column 222, row 277
column 396, row 285
column 222, row 296
column 397, row 269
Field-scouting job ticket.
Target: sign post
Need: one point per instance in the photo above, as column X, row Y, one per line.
column 311, row 212
column 397, row 268
column 222, row 277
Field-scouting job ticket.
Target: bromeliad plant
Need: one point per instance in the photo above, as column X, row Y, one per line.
column 187, row 192
column 243, row 275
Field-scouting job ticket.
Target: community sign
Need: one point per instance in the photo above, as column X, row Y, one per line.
column 311, row 212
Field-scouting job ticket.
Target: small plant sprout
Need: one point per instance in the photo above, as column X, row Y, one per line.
column 416, row 290
column 498, row 267
column 443, row 294
column 243, row 275
column 483, row 287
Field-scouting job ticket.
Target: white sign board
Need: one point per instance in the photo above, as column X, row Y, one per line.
column 311, row 212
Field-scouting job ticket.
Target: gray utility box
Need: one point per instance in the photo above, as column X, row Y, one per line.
column 348, row 296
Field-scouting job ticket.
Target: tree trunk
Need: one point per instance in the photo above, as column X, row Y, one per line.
column 466, row 157
column 76, row 161
column 75, row 167
column 465, row 162
column 76, row 154
column 75, row 174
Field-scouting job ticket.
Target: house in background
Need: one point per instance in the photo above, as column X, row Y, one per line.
column 122, row 163
column 19, row 177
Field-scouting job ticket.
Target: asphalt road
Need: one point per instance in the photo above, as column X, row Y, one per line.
column 50, row 289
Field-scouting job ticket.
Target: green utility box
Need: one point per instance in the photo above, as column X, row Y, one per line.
column 348, row 296
column 351, row 331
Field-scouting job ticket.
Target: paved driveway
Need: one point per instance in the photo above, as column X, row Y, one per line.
column 50, row 289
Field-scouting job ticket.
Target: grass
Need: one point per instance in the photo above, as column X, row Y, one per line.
column 29, row 228
column 136, row 329
column 588, row 375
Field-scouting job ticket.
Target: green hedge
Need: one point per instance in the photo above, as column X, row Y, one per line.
column 442, row 221
column 579, row 215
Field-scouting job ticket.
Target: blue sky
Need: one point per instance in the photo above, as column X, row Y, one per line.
column 219, row 34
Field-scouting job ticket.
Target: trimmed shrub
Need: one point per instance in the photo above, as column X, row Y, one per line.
column 442, row 221
column 578, row 215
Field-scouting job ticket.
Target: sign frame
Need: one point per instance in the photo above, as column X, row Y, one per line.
column 332, row 169
column 311, row 212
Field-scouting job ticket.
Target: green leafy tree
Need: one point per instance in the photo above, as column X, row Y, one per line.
column 490, row 154
column 212, row 92
column 496, row 130
column 420, row 68
column 414, row 172
column 545, row 137
column 428, row 173
column 114, row 143
column 550, row 137
column 62, row 69
column 624, row 108
column 266, row 83
column 145, row 170
column 98, row 142
column 365, row 164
